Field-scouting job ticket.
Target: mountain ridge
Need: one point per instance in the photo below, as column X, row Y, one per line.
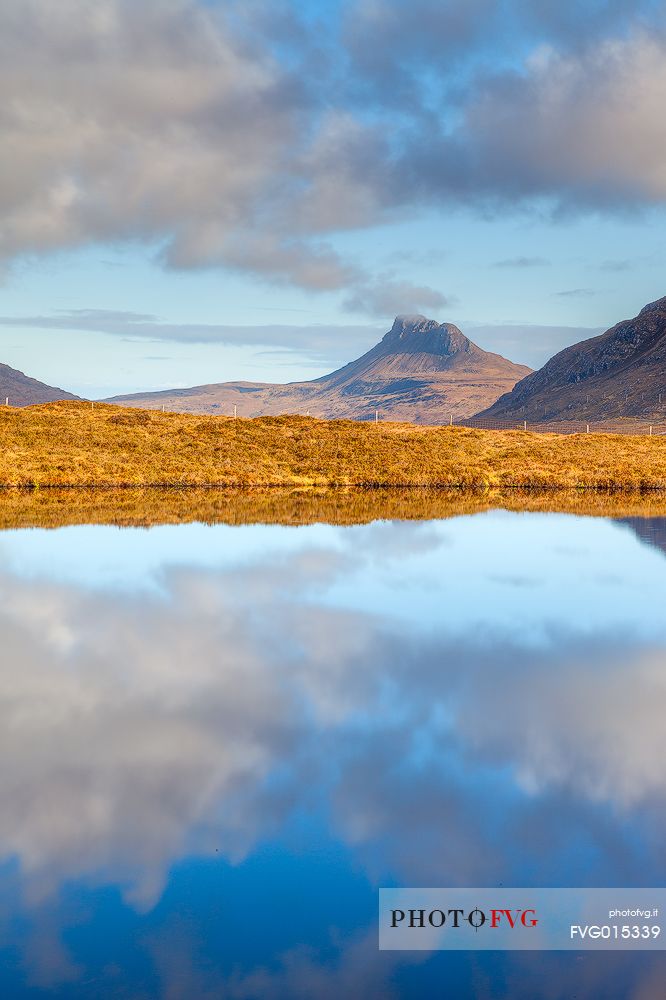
column 420, row 371
column 619, row 373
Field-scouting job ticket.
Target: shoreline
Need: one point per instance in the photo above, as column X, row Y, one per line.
column 146, row 507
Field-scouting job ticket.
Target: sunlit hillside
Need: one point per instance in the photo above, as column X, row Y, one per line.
column 76, row 444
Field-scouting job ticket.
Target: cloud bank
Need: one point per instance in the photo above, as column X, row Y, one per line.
column 246, row 136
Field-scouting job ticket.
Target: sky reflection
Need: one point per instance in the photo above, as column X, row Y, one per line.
column 202, row 725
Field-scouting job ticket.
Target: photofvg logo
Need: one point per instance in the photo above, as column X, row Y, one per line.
column 457, row 918
column 521, row 919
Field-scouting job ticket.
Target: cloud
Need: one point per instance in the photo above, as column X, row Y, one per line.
column 568, row 125
column 617, row 266
column 391, row 297
column 575, row 25
column 156, row 122
column 168, row 123
column 386, row 42
column 576, row 128
column 576, row 293
column 321, row 343
column 522, row 262
column 244, row 137
column 393, row 50
column 315, row 339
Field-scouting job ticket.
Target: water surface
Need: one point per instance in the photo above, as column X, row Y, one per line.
column 219, row 741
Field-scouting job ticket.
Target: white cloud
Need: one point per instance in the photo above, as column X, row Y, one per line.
column 185, row 126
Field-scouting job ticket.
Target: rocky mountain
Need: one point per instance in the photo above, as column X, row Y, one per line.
column 421, row 371
column 24, row 391
column 621, row 373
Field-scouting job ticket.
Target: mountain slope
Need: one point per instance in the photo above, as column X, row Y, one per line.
column 24, row 391
column 421, row 371
column 621, row 373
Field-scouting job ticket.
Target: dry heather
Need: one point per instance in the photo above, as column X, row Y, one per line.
column 74, row 444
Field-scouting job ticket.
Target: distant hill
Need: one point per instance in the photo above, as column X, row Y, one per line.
column 421, row 371
column 24, row 391
column 621, row 373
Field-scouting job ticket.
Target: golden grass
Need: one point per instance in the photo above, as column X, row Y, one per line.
column 74, row 444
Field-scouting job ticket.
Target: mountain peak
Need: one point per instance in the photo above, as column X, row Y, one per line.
column 659, row 305
column 415, row 334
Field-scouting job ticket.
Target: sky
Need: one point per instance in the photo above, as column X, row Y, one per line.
column 195, row 191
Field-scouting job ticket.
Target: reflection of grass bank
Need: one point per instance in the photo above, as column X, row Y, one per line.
column 277, row 505
column 73, row 444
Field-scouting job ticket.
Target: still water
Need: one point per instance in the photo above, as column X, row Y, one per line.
column 219, row 741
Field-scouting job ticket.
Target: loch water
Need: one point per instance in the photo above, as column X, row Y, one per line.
column 219, row 741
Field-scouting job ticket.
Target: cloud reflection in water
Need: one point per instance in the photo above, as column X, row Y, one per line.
column 203, row 717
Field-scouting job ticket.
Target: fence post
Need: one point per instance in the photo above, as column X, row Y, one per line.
column 235, row 412
column 588, row 429
column 650, row 430
column 451, row 421
column 524, row 425
column 376, row 416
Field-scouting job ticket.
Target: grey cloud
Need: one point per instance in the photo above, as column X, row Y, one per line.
column 154, row 122
column 424, row 258
column 176, row 124
column 321, row 343
column 577, row 128
column 391, row 297
column 568, row 130
column 616, row 266
column 386, row 41
column 314, row 267
column 574, row 24
column 522, row 262
column 389, row 44
column 576, row 293
column 315, row 339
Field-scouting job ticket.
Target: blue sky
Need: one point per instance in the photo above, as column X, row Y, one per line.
column 198, row 192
